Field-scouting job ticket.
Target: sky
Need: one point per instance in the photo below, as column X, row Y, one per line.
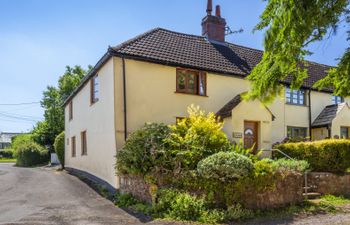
column 38, row 38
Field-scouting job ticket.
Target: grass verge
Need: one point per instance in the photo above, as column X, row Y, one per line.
column 7, row 160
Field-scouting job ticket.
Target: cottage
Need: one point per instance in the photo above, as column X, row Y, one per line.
column 157, row 75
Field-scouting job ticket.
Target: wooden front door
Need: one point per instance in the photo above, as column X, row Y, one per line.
column 251, row 134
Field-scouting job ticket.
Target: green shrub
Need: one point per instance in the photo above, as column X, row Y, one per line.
column 238, row 212
column 196, row 137
column 225, row 166
column 21, row 139
column 124, row 200
column 6, row 153
column 59, row 147
column 144, row 151
column 180, row 206
column 249, row 152
column 324, row 156
column 30, row 154
column 290, row 165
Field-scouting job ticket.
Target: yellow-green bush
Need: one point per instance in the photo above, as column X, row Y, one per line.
column 59, row 147
column 325, row 156
column 31, row 154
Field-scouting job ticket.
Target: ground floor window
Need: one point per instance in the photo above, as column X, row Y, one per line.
column 296, row 132
column 344, row 132
column 73, row 147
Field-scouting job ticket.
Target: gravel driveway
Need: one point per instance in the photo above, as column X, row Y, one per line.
column 43, row 196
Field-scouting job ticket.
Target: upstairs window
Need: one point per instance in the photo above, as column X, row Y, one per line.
column 95, row 89
column 337, row 99
column 70, row 109
column 296, row 97
column 191, row 82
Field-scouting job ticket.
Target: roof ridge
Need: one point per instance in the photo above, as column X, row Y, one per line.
column 130, row 41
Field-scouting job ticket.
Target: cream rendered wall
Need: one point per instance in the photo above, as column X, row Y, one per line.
column 151, row 97
column 319, row 100
column 228, row 128
column 341, row 120
column 98, row 121
column 319, row 133
column 253, row 111
column 151, row 94
column 287, row 115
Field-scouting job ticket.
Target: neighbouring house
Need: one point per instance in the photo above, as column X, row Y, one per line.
column 155, row 76
column 6, row 139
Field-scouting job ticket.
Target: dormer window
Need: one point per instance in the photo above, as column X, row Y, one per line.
column 191, row 82
column 295, row 97
column 337, row 100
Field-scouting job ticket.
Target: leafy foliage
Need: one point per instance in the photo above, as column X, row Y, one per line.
column 290, row 27
column 290, row 165
column 6, row 153
column 249, row 152
column 323, row 156
column 59, row 147
column 46, row 131
column 183, row 206
column 225, row 166
column 144, row 151
column 195, row 138
column 30, row 154
column 21, row 139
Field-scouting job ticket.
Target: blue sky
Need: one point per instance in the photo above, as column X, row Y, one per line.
column 39, row 38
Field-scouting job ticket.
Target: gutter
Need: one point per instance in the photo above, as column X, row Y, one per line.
column 310, row 122
column 124, row 101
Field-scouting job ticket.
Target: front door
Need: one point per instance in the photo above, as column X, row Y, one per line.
column 251, row 134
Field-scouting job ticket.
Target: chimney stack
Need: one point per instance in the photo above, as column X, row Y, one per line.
column 213, row 27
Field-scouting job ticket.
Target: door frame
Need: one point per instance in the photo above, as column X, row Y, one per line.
column 257, row 123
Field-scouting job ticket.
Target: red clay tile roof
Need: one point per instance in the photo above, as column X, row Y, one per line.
column 196, row 52
column 178, row 49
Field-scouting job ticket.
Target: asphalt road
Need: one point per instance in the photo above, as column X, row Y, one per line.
column 43, row 196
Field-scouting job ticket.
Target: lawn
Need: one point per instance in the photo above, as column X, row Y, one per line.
column 6, row 160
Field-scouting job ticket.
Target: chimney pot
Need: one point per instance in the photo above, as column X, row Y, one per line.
column 209, row 7
column 218, row 11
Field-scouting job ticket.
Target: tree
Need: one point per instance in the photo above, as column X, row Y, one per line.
column 291, row 26
column 46, row 131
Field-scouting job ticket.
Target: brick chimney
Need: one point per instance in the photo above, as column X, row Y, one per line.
column 213, row 27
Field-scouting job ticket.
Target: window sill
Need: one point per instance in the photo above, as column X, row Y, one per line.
column 176, row 92
column 293, row 104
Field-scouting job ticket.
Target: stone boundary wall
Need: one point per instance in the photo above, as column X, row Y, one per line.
column 329, row 183
column 288, row 190
column 136, row 186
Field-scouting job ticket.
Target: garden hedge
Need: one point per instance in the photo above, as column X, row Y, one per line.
column 59, row 148
column 31, row 154
column 6, row 153
column 331, row 155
